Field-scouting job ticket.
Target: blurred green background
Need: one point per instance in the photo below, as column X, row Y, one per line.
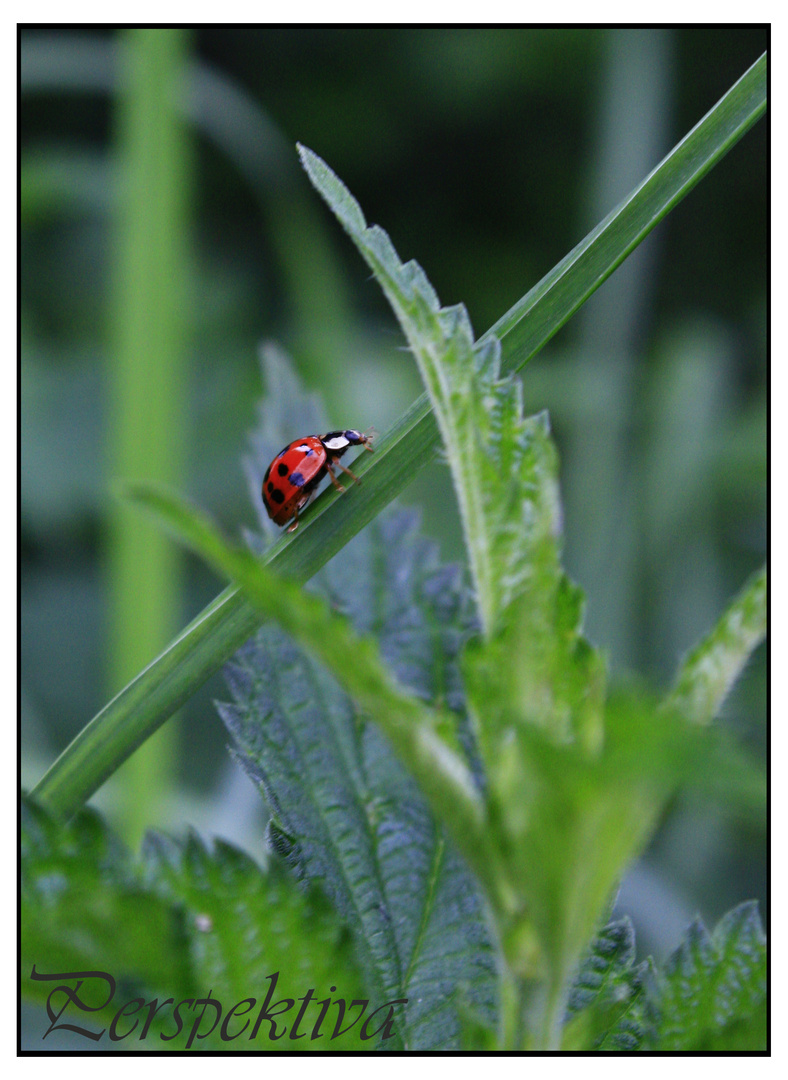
column 166, row 231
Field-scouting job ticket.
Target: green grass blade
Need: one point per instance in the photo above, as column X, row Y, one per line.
column 202, row 648
column 534, row 319
column 213, row 636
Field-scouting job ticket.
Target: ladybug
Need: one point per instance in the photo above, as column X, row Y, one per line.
column 294, row 474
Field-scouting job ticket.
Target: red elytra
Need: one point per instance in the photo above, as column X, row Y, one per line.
column 294, row 474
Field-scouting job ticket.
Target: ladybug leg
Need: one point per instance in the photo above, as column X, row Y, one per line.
column 334, row 480
column 344, row 468
column 300, row 506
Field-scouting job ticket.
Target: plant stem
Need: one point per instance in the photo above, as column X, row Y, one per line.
column 146, row 429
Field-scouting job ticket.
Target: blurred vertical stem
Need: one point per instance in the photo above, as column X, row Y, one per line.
column 601, row 480
column 147, row 380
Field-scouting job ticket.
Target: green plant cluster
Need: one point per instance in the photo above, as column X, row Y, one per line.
column 574, row 778
column 179, row 925
column 474, row 867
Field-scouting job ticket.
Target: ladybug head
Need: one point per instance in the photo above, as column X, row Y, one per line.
column 337, row 442
column 361, row 438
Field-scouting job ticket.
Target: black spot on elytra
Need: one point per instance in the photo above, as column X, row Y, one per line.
column 282, row 468
column 296, row 479
column 277, row 495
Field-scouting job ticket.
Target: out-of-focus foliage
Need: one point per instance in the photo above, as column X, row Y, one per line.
column 182, row 921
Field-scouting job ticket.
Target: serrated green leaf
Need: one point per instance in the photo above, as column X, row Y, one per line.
column 712, row 667
column 537, row 669
column 505, row 475
column 390, row 583
column 488, row 443
column 83, row 908
column 607, row 966
column 709, row 997
column 629, row 1031
column 606, row 999
column 742, row 1035
column 345, row 813
column 257, row 935
column 185, row 924
column 712, row 986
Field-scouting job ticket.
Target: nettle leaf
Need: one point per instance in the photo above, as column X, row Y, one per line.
column 710, row 996
column 257, row 935
column 712, row 992
column 505, row 472
column 184, row 924
column 345, row 813
column 537, row 668
column 479, row 412
column 608, row 1006
column 83, row 908
column 390, row 583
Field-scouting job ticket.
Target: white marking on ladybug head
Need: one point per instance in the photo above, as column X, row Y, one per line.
column 339, row 442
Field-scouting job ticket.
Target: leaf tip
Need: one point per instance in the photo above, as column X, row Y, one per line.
column 333, row 190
